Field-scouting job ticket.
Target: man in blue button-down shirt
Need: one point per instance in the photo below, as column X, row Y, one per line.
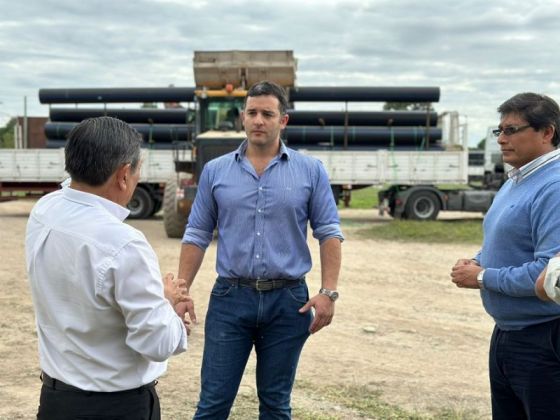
column 261, row 198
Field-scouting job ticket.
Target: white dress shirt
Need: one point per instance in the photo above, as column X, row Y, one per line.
column 551, row 279
column 103, row 323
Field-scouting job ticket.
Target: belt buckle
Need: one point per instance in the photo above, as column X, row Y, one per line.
column 263, row 285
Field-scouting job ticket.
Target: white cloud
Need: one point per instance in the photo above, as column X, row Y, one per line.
column 478, row 52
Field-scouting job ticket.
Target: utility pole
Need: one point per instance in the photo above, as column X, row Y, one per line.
column 25, row 140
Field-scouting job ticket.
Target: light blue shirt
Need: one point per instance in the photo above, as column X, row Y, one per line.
column 262, row 220
column 516, row 175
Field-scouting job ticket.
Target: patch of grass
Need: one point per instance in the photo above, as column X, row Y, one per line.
column 301, row 414
column 363, row 402
column 442, row 231
column 245, row 407
column 335, row 402
column 367, row 403
column 366, row 198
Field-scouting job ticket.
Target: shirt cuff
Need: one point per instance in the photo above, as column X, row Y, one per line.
column 182, row 346
column 491, row 279
column 551, row 279
column 197, row 237
column 325, row 232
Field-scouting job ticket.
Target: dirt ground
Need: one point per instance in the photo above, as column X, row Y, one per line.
column 400, row 327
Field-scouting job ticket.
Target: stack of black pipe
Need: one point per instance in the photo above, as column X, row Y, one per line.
column 306, row 129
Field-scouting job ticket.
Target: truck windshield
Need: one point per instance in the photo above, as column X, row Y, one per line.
column 221, row 114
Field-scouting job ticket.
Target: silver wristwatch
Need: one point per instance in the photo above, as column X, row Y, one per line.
column 479, row 279
column 332, row 294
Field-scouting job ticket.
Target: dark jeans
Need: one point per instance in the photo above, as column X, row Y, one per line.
column 525, row 373
column 238, row 318
column 61, row 404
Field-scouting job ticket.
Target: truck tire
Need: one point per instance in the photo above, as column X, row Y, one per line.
column 173, row 221
column 157, row 206
column 141, row 204
column 422, row 205
column 337, row 191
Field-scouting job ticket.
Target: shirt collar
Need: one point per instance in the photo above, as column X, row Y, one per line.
column 94, row 200
column 240, row 151
column 517, row 175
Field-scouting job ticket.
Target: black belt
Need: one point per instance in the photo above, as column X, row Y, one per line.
column 264, row 284
column 61, row 386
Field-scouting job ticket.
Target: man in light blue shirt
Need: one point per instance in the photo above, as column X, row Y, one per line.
column 261, row 198
column 521, row 234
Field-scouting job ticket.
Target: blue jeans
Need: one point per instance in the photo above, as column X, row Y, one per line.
column 525, row 372
column 238, row 318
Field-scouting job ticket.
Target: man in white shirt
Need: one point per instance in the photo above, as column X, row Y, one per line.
column 105, row 320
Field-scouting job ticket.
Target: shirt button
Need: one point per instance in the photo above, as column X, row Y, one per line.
column 260, row 188
column 258, row 256
column 259, row 210
column 258, row 234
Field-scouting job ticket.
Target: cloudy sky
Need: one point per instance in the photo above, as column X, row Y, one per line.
column 478, row 52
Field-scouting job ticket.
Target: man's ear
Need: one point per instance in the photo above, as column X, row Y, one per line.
column 122, row 175
column 549, row 133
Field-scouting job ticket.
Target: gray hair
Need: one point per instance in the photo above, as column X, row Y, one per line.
column 97, row 147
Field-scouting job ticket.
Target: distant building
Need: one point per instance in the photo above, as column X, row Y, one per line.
column 36, row 138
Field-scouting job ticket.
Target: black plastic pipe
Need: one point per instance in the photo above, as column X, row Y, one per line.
column 297, row 117
column 301, row 135
column 364, row 94
column 107, row 95
column 175, row 94
column 156, row 132
column 362, row 118
column 361, row 136
column 133, row 116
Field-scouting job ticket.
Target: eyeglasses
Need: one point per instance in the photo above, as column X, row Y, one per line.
column 511, row 130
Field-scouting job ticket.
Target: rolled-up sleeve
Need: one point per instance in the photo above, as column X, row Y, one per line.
column 203, row 216
column 154, row 329
column 323, row 214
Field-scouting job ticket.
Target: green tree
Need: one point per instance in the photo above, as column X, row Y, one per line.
column 481, row 144
column 7, row 134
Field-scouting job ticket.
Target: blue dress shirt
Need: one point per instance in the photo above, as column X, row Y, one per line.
column 262, row 221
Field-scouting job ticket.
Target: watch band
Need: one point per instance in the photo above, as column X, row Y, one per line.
column 332, row 294
column 480, row 279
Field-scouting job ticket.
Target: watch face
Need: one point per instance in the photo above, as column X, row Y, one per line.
column 332, row 294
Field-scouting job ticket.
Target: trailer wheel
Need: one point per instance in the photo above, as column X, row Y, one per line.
column 336, row 190
column 141, row 204
column 173, row 221
column 422, row 205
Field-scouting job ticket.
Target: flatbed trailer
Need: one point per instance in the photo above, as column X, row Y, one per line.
column 30, row 173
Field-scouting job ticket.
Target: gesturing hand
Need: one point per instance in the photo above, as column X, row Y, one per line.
column 175, row 291
column 182, row 308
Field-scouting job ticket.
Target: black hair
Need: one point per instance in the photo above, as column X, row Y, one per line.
column 270, row 88
column 96, row 148
column 540, row 111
